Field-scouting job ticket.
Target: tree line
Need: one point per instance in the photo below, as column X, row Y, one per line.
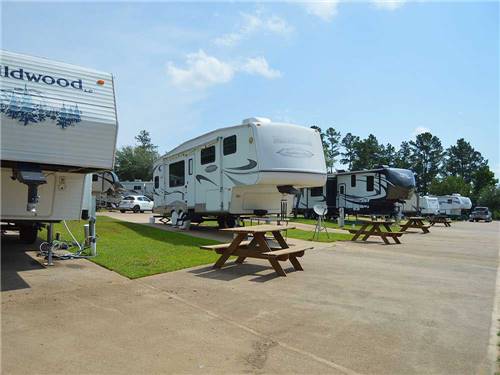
column 457, row 169
column 439, row 171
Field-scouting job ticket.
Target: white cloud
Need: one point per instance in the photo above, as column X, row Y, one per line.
column 388, row 4
column 259, row 66
column 252, row 24
column 421, row 129
column 325, row 10
column 202, row 70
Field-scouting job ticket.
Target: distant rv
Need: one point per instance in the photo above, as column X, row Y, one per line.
column 454, row 205
column 249, row 169
column 140, row 187
column 372, row 192
column 419, row 205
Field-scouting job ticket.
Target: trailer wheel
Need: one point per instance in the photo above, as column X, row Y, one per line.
column 230, row 221
column 122, row 211
column 221, row 221
column 28, row 233
column 136, row 209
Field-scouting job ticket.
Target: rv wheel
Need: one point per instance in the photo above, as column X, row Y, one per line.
column 28, row 233
column 136, row 209
column 230, row 221
column 122, row 211
column 221, row 221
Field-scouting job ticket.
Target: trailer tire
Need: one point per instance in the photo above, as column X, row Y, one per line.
column 136, row 209
column 122, row 211
column 28, row 233
column 230, row 222
column 221, row 221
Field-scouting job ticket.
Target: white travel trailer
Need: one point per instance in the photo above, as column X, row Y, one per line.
column 251, row 168
column 140, row 187
column 58, row 125
column 454, row 205
column 372, row 192
column 419, row 205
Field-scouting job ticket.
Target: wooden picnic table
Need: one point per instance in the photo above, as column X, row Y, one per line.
column 415, row 222
column 441, row 219
column 374, row 228
column 258, row 247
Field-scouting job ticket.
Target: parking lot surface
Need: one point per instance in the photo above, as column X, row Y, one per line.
column 425, row 306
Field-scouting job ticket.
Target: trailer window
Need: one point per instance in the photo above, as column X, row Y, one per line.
column 95, row 178
column 370, row 183
column 190, row 167
column 317, row 191
column 157, row 182
column 353, row 180
column 176, row 174
column 229, row 145
column 207, row 155
column 137, row 187
column 341, row 189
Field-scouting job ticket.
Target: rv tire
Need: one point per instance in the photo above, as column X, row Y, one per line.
column 221, row 221
column 122, row 211
column 230, row 222
column 28, row 233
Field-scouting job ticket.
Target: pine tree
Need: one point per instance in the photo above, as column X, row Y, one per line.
column 27, row 111
column 64, row 117
column 349, row 155
column 13, row 107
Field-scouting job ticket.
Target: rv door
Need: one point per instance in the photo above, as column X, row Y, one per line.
column 190, row 182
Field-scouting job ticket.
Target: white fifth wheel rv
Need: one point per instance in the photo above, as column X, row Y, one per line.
column 454, row 205
column 251, row 168
column 372, row 192
column 107, row 189
column 419, row 205
column 58, row 125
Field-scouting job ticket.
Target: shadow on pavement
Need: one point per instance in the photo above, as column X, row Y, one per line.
column 15, row 259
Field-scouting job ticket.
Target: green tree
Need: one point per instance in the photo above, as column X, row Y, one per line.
column 333, row 147
column 489, row 197
column 426, row 158
column 402, row 159
column 136, row 162
column 387, row 154
column 367, row 153
column 349, row 144
column 482, row 178
column 462, row 160
column 449, row 185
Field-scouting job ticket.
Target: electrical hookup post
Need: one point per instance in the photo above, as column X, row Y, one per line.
column 341, row 217
column 89, row 229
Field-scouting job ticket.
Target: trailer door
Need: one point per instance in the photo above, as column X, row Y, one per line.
column 190, row 183
column 331, row 192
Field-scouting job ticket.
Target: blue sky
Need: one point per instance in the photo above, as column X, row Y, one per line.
column 388, row 68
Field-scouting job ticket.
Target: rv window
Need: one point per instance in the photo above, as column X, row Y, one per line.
column 208, row 155
column 449, row 201
column 190, row 167
column 176, row 174
column 157, row 182
column 317, row 191
column 353, row 180
column 95, row 177
column 229, row 145
column 341, row 189
column 137, row 187
column 369, row 183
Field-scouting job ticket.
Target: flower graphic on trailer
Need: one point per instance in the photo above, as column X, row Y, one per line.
column 20, row 106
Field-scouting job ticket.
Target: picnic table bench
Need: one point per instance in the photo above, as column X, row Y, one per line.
column 374, row 228
column 415, row 222
column 258, row 247
column 441, row 219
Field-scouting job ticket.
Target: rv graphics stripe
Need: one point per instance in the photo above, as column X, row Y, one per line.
column 236, row 182
column 251, row 164
column 200, row 177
